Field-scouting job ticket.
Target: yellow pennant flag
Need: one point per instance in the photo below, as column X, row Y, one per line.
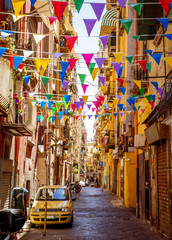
column 138, row 83
column 128, row 112
column 168, row 60
column 64, row 118
column 104, row 89
column 66, row 107
column 115, row 101
column 84, row 117
column 30, row 99
column 80, row 110
column 137, row 105
column 85, row 98
column 41, row 64
column 20, row 99
column 118, row 56
column 94, row 73
column 17, row 5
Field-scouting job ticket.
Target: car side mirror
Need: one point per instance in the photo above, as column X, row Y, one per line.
column 73, row 199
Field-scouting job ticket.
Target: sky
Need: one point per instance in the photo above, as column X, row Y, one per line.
column 87, row 45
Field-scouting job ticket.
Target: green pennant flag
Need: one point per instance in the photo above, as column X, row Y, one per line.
column 108, row 115
column 58, row 104
column 148, row 66
column 71, row 113
column 41, row 118
column 136, row 97
column 130, row 58
column 137, row 37
column 126, row 24
column 78, row 4
column 149, row 98
column 142, row 90
column 34, row 102
column 82, row 78
column 137, row 7
column 45, row 80
column 49, row 96
column 64, row 101
column 139, row 107
column 53, row 109
column 49, row 118
column 91, row 67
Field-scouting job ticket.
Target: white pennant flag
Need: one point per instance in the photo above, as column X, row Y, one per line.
column 31, row 94
column 38, row 37
column 16, row 18
column 27, row 53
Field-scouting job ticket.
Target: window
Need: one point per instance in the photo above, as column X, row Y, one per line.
column 53, row 194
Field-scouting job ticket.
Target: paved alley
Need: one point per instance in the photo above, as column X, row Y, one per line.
column 98, row 214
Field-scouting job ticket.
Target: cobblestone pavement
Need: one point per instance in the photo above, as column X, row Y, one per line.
column 98, row 214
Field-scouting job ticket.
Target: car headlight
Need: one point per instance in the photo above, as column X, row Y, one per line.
column 35, row 209
column 65, row 209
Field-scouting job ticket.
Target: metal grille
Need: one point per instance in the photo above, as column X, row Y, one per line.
column 50, row 210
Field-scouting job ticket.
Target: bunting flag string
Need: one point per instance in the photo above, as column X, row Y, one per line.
column 59, row 8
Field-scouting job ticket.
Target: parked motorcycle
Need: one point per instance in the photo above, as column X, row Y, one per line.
column 75, row 187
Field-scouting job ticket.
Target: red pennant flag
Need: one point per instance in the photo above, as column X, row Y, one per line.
column 84, row 87
column 21, row 66
column 73, row 107
column 71, row 41
column 165, row 5
column 77, row 117
column 121, row 81
column 59, row 8
column 152, row 104
column 11, row 61
column 72, row 62
column 52, row 19
column 143, row 64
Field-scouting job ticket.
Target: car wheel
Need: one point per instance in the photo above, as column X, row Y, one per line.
column 33, row 225
column 71, row 222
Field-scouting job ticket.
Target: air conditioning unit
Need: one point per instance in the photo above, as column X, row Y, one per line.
column 139, row 140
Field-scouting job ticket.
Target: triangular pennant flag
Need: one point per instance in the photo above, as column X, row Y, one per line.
column 122, row 3
column 142, row 110
column 89, row 106
column 143, row 64
column 96, row 116
column 78, row 4
column 128, row 112
column 137, row 7
column 153, row 97
column 80, row 110
column 59, row 8
column 142, row 90
column 148, row 66
column 45, row 80
column 121, row 114
column 87, row 58
column 155, row 84
column 118, row 56
column 16, row 18
column 26, row 79
column 72, row 62
column 93, row 109
column 94, row 73
column 149, row 98
column 60, row 115
column 119, row 97
column 71, row 113
column 52, row 19
column 56, row 55
column 49, row 96
column 65, row 118
column 168, row 60
column 17, row 5
column 50, row 103
column 62, row 75
column 122, row 89
column 169, row 36
column 73, row 107
column 120, row 71
column 115, row 101
column 66, row 111
column 65, row 84
column 164, row 22
column 2, row 50
column 157, row 57
column 150, row 51
column 31, row 94
column 89, row 23
column 126, row 24
column 130, row 58
column 38, row 118
column 109, row 114
column 84, row 117
column 67, row 98
column 5, row 33
column 64, row 66
column 76, row 117
column 82, row 77
column 100, row 62
column 121, row 81
column 17, row 60
column 98, row 9
column 116, row 66
column 136, row 37
column 165, row 5
column 53, row 109
column 43, row 103
column 77, row 105
column 71, row 41
column 138, row 83
column 115, row 114
column 102, row 80
column 85, row 98
column 84, row 87
column 91, row 67
column 41, row 119
column 38, row 37
column 41, row 64
column 27, row 53
column 159, row 91
column 104, row 40
column 104, row 89
column 33, row 2
column 53, row 118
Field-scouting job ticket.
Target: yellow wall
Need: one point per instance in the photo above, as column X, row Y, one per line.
column 130, row 180
column 118, row 192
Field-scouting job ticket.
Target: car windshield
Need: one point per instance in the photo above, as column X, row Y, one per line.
column 52, row 194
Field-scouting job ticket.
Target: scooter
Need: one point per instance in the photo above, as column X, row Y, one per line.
column 75, row 187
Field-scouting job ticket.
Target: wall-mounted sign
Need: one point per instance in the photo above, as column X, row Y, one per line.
column 101, row 164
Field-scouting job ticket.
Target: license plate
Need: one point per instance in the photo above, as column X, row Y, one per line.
column 50, row 217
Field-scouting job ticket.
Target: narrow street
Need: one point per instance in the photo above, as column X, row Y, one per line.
column 98, row 214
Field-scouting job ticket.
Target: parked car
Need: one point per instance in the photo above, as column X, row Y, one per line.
column 59, row 206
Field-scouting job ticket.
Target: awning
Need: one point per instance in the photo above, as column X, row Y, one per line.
column 109, row 22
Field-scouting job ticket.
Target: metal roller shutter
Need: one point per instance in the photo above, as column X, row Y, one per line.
column 5, row 190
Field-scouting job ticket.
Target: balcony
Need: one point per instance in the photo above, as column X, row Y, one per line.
column 109, row 139
column 21, row 119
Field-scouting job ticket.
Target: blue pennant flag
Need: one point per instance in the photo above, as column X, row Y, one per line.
column 43, row 104
column 134, row 108
column 53, row 118
column 131, row 101
column 124, row 108
column 115, row 114
column 64, row 66
column 26, row 79
column 2, row 50
column 33, row 2
column 164, row 22
column 169, row 36
column 157, row 57
column 67, row 98
column 66, row 111
column 50, row 103
column 153, row 97
column 120, row 71
column 38, row 118
column 17, row 60
column 60, row 115
column 96, row 116
column 122, row 89
column 155, row 84
column 149, row 51
column 62, row 75
column 120, row 106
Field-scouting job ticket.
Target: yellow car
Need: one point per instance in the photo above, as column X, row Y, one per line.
column 59, row 206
